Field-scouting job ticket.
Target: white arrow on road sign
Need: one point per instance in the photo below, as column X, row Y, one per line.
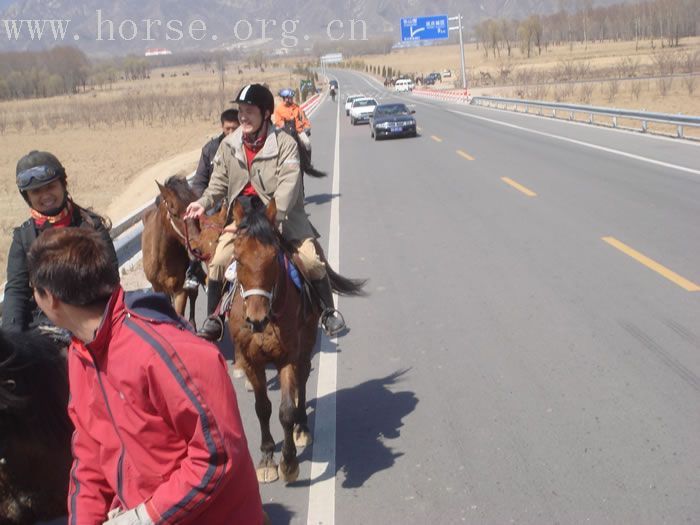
column 414, row 33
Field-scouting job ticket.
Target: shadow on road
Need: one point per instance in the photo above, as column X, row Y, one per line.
column 368, row 416
column 321, row 198
column 278, row 514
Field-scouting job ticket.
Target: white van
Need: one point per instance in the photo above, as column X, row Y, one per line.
column 404, row 84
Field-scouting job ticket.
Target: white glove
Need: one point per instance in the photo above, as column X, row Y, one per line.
column 136, row 516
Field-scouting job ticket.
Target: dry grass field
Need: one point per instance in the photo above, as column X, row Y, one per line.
column 115, row 142
column 537, row 76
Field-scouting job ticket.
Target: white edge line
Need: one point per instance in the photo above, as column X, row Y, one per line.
column 581, row 143
column 322, row 489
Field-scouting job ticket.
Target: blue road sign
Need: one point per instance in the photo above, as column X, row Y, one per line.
column 424, row 28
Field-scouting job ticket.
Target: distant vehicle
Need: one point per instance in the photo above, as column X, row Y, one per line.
column 446, row 73
column 349, row 100
column 333, row 83
column 436, row 77
column 361, row 110
column 404, row 84
column 428, row 81
column 392, row 120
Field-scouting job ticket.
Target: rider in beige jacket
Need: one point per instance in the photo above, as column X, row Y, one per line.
column 257, row 160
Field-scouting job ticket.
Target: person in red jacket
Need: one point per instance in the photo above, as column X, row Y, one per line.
column 158, row 435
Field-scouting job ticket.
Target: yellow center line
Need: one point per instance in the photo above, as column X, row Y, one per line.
column 464, row 154
column 519, row 187
column 653, row 265
column 436, row 139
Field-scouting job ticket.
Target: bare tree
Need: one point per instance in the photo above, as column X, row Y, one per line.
column 636, row 89
column 585, row 93
column 612, row 88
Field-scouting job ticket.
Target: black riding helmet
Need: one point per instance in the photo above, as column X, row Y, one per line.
column 37, row 169
column 257, row 95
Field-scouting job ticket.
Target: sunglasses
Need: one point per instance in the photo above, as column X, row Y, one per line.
column 37, row 175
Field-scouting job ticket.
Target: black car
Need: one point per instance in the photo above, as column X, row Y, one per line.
column 392, row 120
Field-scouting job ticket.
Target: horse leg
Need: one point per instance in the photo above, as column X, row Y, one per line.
column 237, row 362
column 267, row 468
column 302, row 435
column 289, row 465
column 192, row 297
column 179, row 302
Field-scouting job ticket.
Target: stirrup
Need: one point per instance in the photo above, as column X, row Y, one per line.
column 205, row 335
column 335, row 314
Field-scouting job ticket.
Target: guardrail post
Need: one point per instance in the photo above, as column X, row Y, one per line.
column 615, row 121
column 571, row 115
column 554, row 113
column 590, row 118
column 645, row 126
column 680, row 131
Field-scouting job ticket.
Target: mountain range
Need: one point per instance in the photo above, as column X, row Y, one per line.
column 101, row 27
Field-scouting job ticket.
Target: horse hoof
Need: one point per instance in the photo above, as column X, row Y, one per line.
column 289, row 475
column 267, row 474
column 302, row 437
column 238, row 372
column 248, row 386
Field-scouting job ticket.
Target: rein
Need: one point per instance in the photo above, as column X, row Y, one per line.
column 185, row 237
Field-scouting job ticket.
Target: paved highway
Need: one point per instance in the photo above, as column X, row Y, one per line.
column 530, row 348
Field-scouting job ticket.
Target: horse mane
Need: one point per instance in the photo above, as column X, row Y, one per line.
column 255, row 224
column 179, row 185
column 33, row 387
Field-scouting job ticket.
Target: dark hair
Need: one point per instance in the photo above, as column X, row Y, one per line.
column 230, row 115
column 74, row 265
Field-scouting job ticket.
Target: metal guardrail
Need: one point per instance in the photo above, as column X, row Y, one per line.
column 680, row 121
column 127, row 233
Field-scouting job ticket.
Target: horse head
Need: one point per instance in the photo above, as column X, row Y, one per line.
column 255, row 250
column 210, row 227
column 34, row 429
column 175, row 196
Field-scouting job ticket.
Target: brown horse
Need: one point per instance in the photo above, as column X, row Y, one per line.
column 35, row 431
column 272, row 321
column 164, row 243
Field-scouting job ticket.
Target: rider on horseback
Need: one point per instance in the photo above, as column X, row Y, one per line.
column 290, row 117
column 258, row 160
column 41, row 180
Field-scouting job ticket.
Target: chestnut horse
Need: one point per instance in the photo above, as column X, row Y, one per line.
column 35, row 432
column 273, row 321
column 164, row 243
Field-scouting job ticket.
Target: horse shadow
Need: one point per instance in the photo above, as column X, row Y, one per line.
column 278, row 514
column 321, row 198
column 370, row 415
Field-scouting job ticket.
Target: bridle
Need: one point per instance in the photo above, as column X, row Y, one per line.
column 185, row 237
column 271, row 295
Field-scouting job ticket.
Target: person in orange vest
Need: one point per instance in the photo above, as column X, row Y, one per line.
column 290, row 117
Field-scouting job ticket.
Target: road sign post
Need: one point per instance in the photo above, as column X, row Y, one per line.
column 461, row 47
column 436, row 27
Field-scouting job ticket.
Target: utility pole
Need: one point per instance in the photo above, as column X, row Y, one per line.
column 460, row 28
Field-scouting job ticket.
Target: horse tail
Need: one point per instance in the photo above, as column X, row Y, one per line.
column 344, row 285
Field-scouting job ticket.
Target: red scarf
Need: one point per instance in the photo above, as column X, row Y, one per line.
column 61, row 220
column 251, row 146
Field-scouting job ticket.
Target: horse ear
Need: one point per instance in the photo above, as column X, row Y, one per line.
column 271, row 211
column 238, row 212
